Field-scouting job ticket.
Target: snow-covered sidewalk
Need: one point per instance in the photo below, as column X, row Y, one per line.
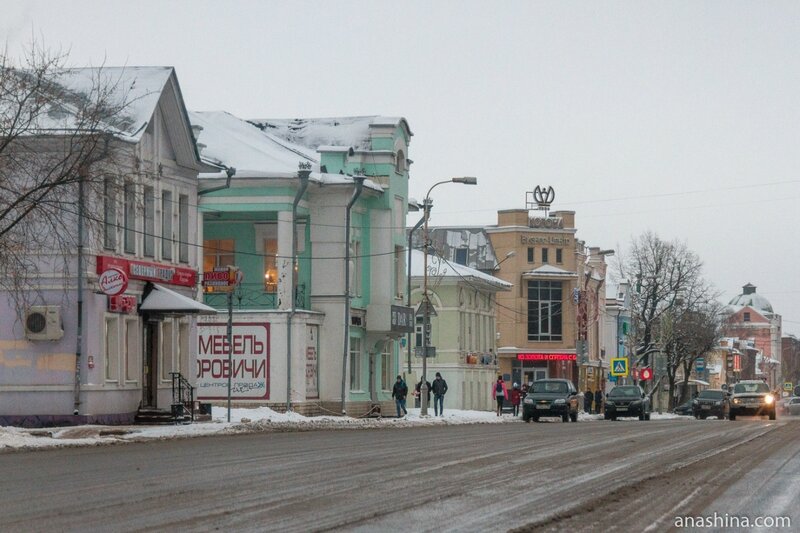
column 245, row 421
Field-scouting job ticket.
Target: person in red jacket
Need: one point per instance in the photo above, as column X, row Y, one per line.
column 515, row 398
column 500, row 393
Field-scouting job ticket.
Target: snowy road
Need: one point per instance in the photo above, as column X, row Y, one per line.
column 549, row 476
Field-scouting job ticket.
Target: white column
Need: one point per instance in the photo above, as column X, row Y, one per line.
column 284, row 262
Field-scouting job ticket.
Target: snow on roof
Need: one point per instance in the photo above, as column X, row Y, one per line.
column 334, row 131
column 549, row 270
column 235, row 142
column 138, row 88
column 448, row 269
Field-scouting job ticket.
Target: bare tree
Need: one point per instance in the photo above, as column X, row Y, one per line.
column 53, row 139
column 672, row 307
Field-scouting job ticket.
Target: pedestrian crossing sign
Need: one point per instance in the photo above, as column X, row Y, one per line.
column 619, row 367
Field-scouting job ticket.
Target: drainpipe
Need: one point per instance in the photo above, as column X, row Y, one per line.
column 303, row 173
column 359, row 182
column 408, row 291
column 79, row 329
column 229, row 172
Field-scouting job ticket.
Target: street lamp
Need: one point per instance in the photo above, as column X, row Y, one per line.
column 426, row 302
column 508, row 256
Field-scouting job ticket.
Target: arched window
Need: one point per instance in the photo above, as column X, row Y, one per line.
column 400, row 162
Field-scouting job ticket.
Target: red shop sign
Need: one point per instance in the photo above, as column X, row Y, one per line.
column 546, row 357
column 122, row 303
column 142, row 270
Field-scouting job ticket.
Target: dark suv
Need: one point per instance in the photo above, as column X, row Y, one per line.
column 711, row 402
column 752, row 398
column 627, row 400
column 551, row 397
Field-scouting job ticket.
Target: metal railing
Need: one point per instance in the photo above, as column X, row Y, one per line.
column 182, row 397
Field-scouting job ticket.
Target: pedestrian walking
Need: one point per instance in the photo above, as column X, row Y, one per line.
column 500, row 393
column 515, row 398
column 598, row 401
column 439, row 390
column 588, row 397
column 399, row 393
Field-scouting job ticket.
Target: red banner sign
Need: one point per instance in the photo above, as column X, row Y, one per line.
column 149, row 271
column 546, row 357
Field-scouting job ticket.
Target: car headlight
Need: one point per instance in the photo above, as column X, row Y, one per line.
column 528, row 400
column 609, row 402
column 560, row 401
column 769, row 399
column 736, row 400
column 718, row 403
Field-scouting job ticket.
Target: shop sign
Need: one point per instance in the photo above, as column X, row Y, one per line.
column 146, row 271
column 122, row 303
column 249, row 368
column 546, row 357
column 113, row 281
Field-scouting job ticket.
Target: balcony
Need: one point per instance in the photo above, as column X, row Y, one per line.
column 255, row 299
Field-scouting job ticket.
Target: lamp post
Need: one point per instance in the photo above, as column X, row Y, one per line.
column 426, row 303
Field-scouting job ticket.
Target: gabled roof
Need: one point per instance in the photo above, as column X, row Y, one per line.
column 353, row 132
column 550, row 271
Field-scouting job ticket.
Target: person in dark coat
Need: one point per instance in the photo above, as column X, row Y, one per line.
column 598, row 401
column 588, row 397
column 399, row 393
column 439, row 390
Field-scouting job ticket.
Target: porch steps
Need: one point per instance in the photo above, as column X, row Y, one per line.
column 159, row 417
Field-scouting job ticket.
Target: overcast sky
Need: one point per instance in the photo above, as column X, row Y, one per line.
column 678, row 117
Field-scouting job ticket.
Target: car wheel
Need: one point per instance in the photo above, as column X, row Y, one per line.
column 731, row 416
column 573, row 417
column 697, row 417
column 565, row 418
column 606, row 416
column 702, row 417
column 641, row 417
column 613, row 418
column 647, row 416
column 526, row 417
column 535, row 418
column 772, row 415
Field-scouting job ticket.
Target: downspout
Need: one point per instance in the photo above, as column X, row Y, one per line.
column 408, row 291
column 79, row 329
column 359, row 183
column 229, row 172
column 303, row 173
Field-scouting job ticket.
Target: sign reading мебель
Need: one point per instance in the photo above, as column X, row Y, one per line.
column 249, row 361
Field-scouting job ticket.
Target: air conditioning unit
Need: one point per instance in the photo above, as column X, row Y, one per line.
column 43, row 323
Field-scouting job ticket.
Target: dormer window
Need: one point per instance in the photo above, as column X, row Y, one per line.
column 746, row 316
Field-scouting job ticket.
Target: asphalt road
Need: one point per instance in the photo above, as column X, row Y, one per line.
column 626, row 476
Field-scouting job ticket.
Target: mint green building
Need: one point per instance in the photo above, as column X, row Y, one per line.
column 289, row 314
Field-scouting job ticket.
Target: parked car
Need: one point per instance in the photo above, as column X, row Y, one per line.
column 551, row 397
column 794, row 406
column 684, row 409
column 752, row 398
column 627, row 401
column 711, row 402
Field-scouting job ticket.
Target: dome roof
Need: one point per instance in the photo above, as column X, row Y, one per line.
column 749, row 298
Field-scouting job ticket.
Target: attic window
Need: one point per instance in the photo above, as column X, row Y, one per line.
column 400, row 162
column 746, row 316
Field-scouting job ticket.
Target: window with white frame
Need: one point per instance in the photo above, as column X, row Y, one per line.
column 129, row 218
column 544, row 310
column 111, row 356
column 110, row 214
column 166, row 225
column 149, row 222
column 183, row 228
column 355, row 363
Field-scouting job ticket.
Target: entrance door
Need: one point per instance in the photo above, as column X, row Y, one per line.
column 150, row 365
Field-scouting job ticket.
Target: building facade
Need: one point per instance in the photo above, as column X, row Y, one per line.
column 326, row 299
column 104, row 339
column 462, row 329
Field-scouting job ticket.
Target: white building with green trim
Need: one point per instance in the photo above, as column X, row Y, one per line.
column 289, row 314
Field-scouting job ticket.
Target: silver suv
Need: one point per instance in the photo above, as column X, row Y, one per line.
column 752, row 398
